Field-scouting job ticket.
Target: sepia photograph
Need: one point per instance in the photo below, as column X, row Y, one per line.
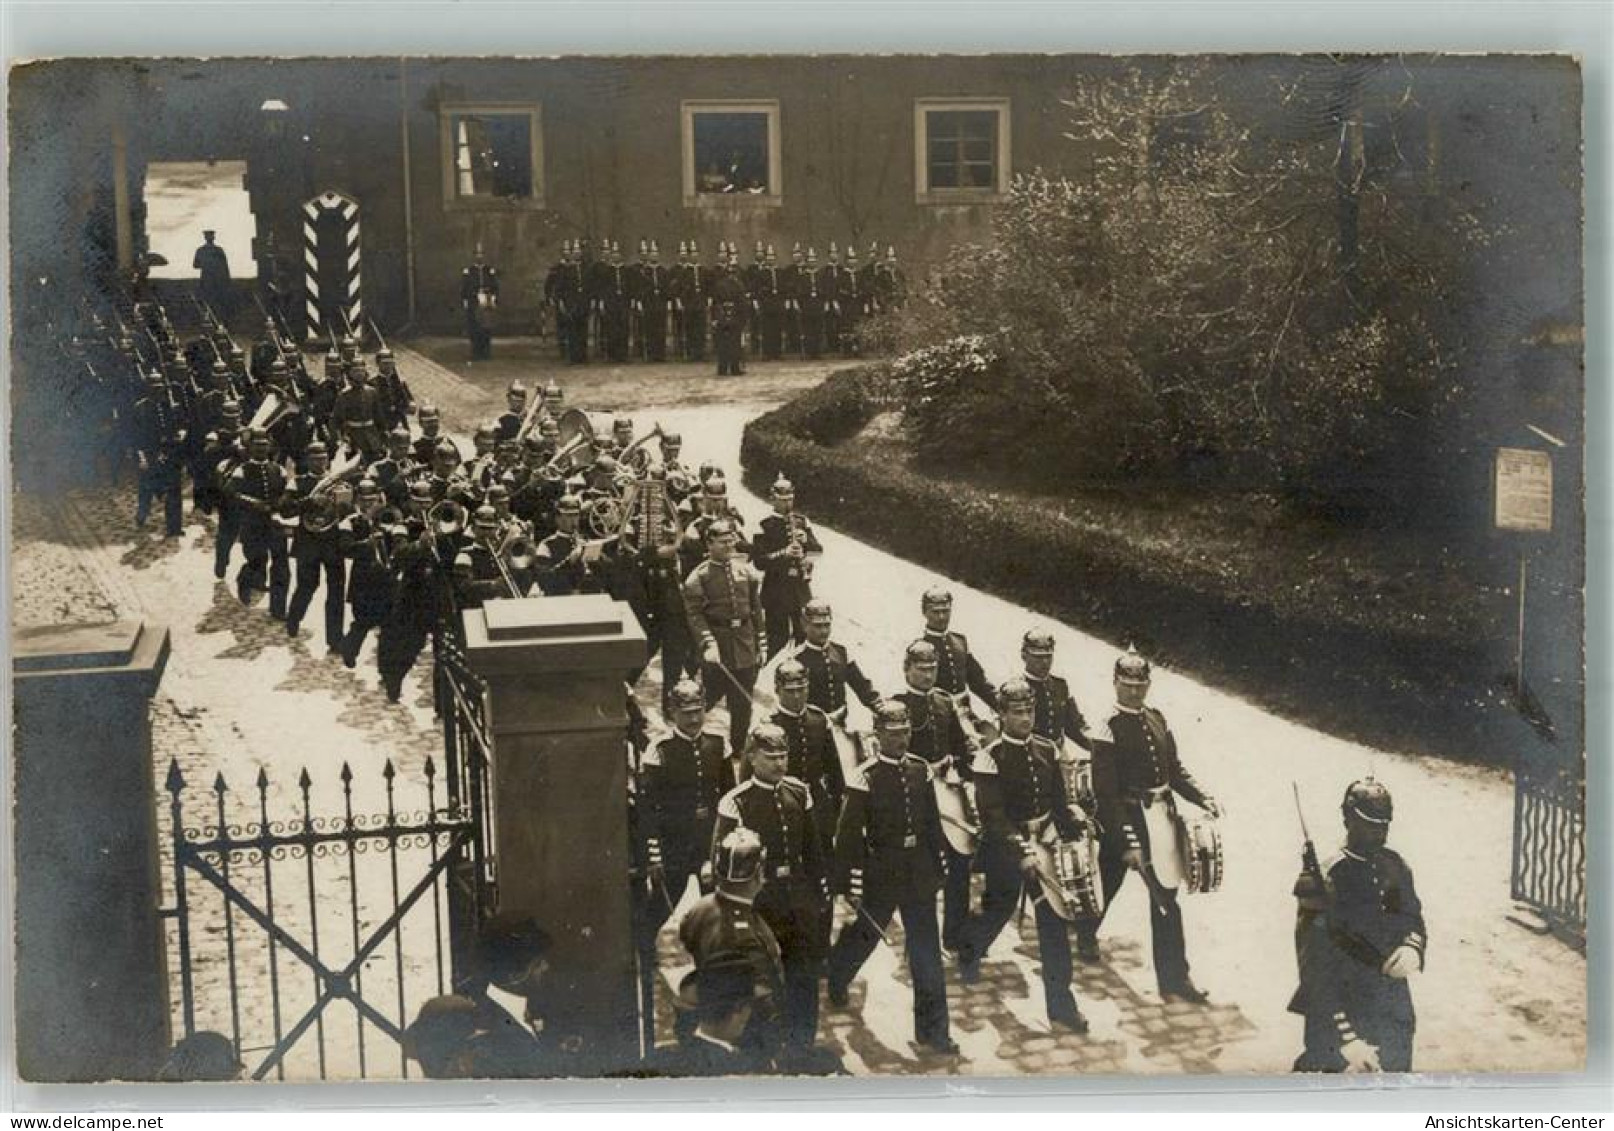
column 797, row 565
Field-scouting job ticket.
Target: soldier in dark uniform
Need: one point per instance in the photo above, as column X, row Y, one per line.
column 356, row 414
column 397, row 401
column 831, row 671
column 1359, row 938
column 214, row 278
column 1135, row 766
column 685, row 775
column 220, row 454
column 811, row 304
column 852, row 298
column 369, row 541
column 652, row 293
column 318, row 550
column 812, row 757
column 611, row 293
column 725, row 922
column 889, row 287
column 957, row 669
column 393, row 471
column 255, row 489
column 713, row 504
column 779, row 809
column 796, row 280
column 572, row 304
column 508, row 426
column 731, row 305
column 890, row 857
column 722, row 599
column 559, row 563
column 783, row 552
column 666, row 625
column 160, row 435
column 938, row 738
column 829, row 285
column 416, row 603
column 1057, row 716
column 1021, row 792
column 691, row 297
column 772, row 294
column 752, row 277
column 479, row 298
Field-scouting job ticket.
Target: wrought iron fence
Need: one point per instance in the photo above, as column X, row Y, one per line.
column 1549, row 843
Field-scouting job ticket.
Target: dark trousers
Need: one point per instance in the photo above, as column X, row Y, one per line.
column 694, row 332
column 812, row 334
column 311, row 564
column 575, row 328
column 737, row 698
column 162, row 481
column 667, row 632
column 784, row 623
column 1165, row 922
column 364, row 620
column 653, row 331
column 730, row 362
column 793, row 910
column 1003, row 887
column 1321, row 1054
column 955, row 898
column 481, row 338
column 614, row 329
column 229, row 532
column 403, row 634
column 265, row 550
column 772, row 325
column 859, row 938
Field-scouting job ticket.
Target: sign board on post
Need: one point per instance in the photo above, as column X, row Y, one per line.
column 1523, row 490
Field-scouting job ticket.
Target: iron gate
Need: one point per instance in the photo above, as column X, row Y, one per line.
column 279, row 917
column 1549, row 842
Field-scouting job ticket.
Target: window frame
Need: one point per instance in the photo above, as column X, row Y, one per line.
column 923, row 192
column 688, row 109
column 452, row 200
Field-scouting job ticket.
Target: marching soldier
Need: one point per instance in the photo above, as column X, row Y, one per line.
column 714, row 504
column 722, row 599
column 890, row 857
column 686, row 774
column 831, row 672
column 220, row 456
column 1136, row 769
column 937, row 737
column 431, row 436
column 356, row 414
column 371, row 583
column 1056, row 715
column 560, row 561
column 1021, row 792
column 393, row 471
column 160, row 434
column 1359, row 938
column 726, row 922
column 397, row 401
column 779, row 809
column 479, row 298
column 508, row 426
column 957, row 669
column 317, row 549
column 812, row 756
column 255, row 489
column 784, row 552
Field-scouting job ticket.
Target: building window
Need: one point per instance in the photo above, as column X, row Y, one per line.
column 731, row 153
column 492, row 156
column 961, row 150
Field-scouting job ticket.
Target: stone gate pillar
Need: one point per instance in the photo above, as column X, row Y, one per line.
column 92, row 973
column 555, row 668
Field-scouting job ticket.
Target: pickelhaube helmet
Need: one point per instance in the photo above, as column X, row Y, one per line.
column 1015, row 692
column 277, row 367
column 421, row 491
column 230, row 408
column 644, row 247
column 686, row 695
column 533, row 442
column 715, row 487
column 672, row 439
column 398, row 433
column 782, row 488
column 384, row 354
column 498, row 492
column 485, row 431
column 463, row 563
column 516, row 389
column 1037, row 642
column 936, row 598
column 1132, row 668
column 332, row 357
column 486, row 516
column 920, row 652
column 851, row 253
column 719, row 528
column 218, row 368
column 817, row 609
column 709, row 468
column 790, row 673
column 552, row 391
column 622, row 424
column 569, row 504
column 891, row 714
column 428, row 411
column 1369, row 800
column 891, row 253
column 738, row 860
column 316, row 448
column 447, row 450
column 769, row 738
column 759, row 250
column 548, row 427
column 367, row 486
column 812, row 256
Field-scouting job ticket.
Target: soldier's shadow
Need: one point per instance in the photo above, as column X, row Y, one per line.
column 251, row 626
column 150, row 548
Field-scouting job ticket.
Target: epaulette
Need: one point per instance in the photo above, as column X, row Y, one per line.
column 801, row 787
column 1038, row 742
column 984, row 762
column 729, row 804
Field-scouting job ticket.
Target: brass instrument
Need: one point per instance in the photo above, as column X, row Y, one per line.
column 648, row 516
column 270, row 412
column 576, row 434
column 625, row 456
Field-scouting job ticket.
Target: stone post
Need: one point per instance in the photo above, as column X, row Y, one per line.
column 92, row 972
column 555, row 668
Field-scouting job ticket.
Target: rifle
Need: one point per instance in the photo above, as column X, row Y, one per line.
column 1308, row 854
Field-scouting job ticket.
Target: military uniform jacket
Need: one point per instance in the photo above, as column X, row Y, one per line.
column 957, row 669
column 813, row 758
column 936, row 734
column 718, row 925
column 611, row 286
column 1018, row 788
column 783, row 817
column 889, row 840
column 684, row 779
column 1134, row 761
column 651, row 285
column 724, row 603
column 357, row 406
column 1371, row 908
column 259, row 485
column 730, row 301
column 159, row 426
column 783, row 577
column 475, row 279
column 830, row 673
column 690, row 286
column 1055, row 712
column 425, row 445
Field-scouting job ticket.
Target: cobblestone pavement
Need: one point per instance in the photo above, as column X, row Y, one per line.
column 240, row 699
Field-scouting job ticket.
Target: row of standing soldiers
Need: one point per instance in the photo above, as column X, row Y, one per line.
column 647, row 310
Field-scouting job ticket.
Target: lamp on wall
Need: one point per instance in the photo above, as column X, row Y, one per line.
column 274, row 113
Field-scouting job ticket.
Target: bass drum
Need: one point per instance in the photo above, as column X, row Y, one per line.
column 1201, row 844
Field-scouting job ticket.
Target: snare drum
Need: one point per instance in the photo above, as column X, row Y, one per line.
column 1201, row 844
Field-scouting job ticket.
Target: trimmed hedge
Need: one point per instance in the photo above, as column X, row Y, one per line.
column 1364, row 666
